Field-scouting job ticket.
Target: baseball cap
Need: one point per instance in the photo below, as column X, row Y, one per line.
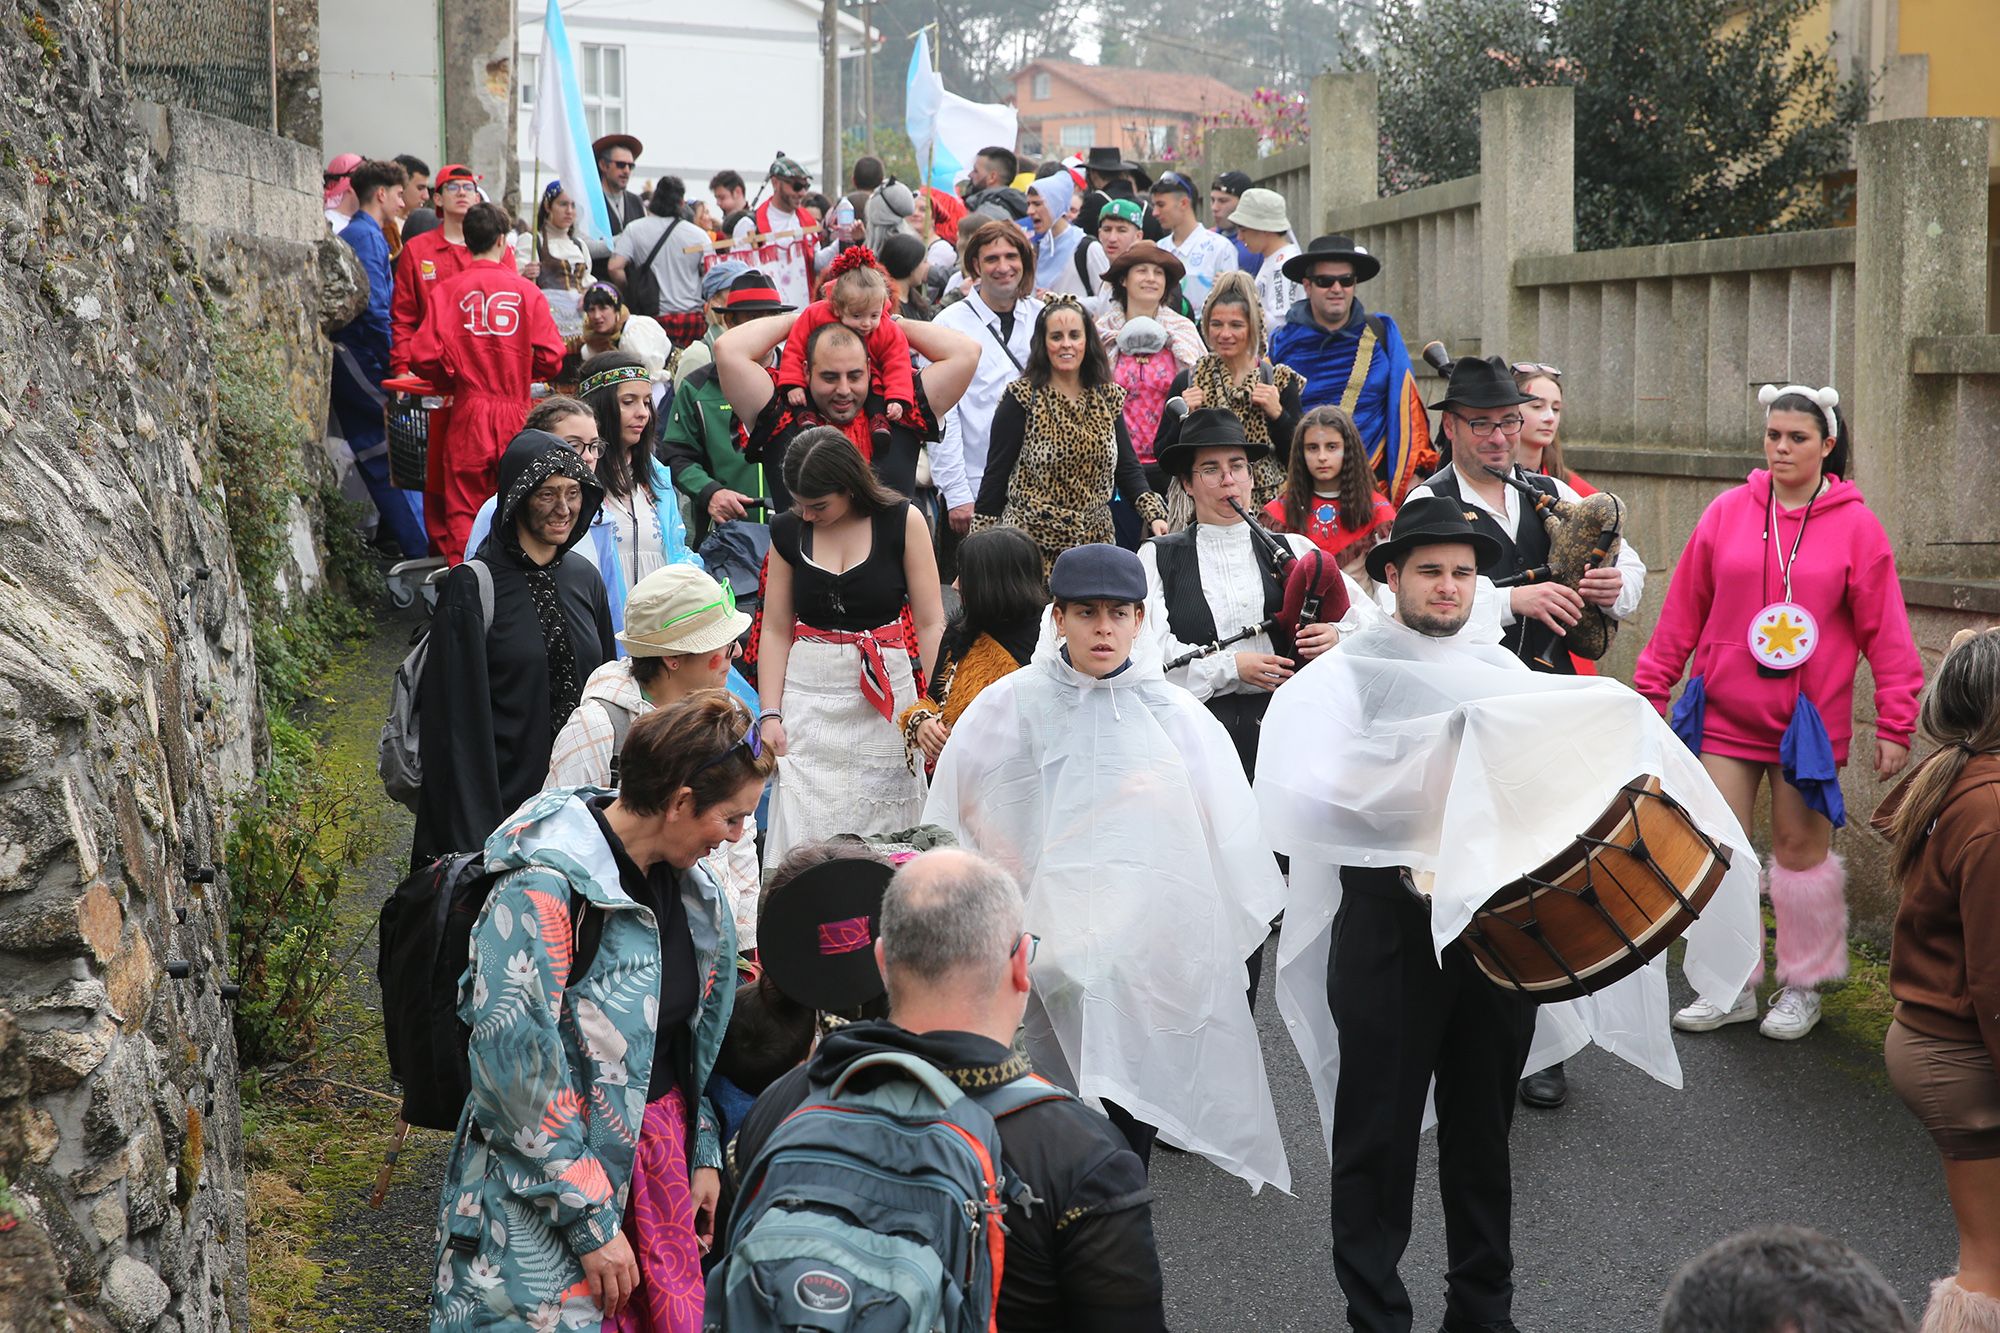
column 333, row 181
column 1231, row 182
column 1127, row 211
column 455, row 171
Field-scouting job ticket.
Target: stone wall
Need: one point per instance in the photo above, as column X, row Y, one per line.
column 129, row 714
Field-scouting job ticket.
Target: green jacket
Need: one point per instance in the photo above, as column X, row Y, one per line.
column 699, row 446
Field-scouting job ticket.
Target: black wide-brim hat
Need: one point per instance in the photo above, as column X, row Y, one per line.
column 1206, row 428
column 1481, row 383
column 1324, row 248
column 1108, row 158
column 1428, row 520
column 816, row 936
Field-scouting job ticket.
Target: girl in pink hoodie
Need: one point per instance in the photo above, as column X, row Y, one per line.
column 1795, row 536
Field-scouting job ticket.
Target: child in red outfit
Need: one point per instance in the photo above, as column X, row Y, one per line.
column 858, row 296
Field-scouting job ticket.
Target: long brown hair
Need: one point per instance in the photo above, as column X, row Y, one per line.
column 1357, row 479
column 822, row 461
column 1962, row 714
column 1552, row 457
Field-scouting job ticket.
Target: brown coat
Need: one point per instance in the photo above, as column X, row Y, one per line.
column 1944, row 962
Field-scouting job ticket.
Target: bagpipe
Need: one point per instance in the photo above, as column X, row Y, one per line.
column 1315, row 591
column 1584, row 534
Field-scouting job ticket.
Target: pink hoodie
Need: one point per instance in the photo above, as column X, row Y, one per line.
column 1845, row 575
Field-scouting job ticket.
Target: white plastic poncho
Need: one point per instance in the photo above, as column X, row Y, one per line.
column 1450, row 757
column 1121, row 807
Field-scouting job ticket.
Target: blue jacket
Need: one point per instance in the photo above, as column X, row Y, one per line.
column 367, row 335
column 533, row 1181
column 1389, row 414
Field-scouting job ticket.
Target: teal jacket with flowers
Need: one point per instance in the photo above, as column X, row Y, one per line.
column 542, row 1166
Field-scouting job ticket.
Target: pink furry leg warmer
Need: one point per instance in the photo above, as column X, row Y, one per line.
column 1953, row 1309
column 1764, row 891
column 1811, row 908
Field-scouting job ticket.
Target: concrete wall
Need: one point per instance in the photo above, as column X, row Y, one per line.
column 1663, row 348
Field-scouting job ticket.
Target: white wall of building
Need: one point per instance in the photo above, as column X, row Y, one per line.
column 703, row 86
column 379, row 78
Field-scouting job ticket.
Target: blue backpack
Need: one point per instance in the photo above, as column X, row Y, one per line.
column 876, row 1208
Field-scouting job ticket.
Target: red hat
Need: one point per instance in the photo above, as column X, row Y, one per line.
column 456, row 171
column 606, row 143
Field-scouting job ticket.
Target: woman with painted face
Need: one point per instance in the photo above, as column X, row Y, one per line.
column 638, row 488
column 846, row 638
column 1238, row 377
column 1060, row 444
column 517, row 631
column 1786, row 583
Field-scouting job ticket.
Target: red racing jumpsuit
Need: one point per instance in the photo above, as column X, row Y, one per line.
column 486, row 338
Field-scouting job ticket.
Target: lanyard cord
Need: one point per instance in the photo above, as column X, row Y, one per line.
column 1786, row 562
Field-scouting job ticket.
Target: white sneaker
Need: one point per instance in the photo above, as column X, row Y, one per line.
column 1701, row 1016
column 1793, row 1014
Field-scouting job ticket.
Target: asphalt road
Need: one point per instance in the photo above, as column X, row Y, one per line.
column 1611, row 1193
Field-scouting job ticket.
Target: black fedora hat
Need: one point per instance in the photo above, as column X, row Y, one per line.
column 1108, row 158
column 1324, row 248
column 1481, row 383
column 753, row 293
column 1206, row 428
column 1428, row 520
column 816, row 936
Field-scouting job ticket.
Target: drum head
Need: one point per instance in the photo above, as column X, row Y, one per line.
column 816, row 937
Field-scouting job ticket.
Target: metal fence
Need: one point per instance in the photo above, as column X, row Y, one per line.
column 213, row 56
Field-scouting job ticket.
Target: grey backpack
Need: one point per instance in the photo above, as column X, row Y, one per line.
column 875, row 1208
column 398, row 759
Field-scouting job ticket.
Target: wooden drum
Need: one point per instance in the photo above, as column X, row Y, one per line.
column 1626, row 888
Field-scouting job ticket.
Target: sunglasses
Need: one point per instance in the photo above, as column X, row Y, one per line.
column 753, row 741
column 1535, row 368
column 726, row 602
column 1325, row 280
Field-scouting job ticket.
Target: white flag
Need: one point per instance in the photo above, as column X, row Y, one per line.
column 947, row 130
column 559, row 133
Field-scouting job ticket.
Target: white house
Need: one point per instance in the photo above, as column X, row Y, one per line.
column 703, row 86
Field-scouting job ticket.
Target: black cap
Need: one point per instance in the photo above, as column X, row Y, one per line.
column 1477, row 383
column 1427, row 520
column 1231, row 182
column 816, row 935
column 1097, row 572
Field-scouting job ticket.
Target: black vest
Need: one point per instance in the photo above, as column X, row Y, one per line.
column 1524, row 548
column 1188, row 615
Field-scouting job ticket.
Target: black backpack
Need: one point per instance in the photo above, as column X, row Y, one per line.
column 642, row 285
column 425, row 946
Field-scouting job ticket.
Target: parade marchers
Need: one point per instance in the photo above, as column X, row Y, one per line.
column 1143, row 748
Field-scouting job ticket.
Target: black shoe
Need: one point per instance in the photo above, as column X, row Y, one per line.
column 1452, row 1325
column 1545, row 1089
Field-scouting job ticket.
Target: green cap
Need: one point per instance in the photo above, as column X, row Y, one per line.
column 1125, row 210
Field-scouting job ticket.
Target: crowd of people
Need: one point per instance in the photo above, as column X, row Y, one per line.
column 1068, row 556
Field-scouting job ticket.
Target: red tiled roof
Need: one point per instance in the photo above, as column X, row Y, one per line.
column 1141, row 89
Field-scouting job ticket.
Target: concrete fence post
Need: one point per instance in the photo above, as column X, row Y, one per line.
column 1919, row 271
column 1527, row 204
column 1346, row 142
column 1224, row 148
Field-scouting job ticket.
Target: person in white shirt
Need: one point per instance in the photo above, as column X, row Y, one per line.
column 999, row 313
column 1068, row 260
column 1265, row 230
column 675, row 249
column 1205, row 254
column 788, row 259
column 1481, row 417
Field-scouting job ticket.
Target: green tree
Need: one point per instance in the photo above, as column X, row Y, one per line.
column 1694, row 118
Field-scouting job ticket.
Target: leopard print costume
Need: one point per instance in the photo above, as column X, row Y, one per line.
column 1060, row 493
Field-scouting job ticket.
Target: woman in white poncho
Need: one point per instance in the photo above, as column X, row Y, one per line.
column 1118, row 801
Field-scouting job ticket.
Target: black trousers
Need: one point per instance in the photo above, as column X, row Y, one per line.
column 1401, row 1019
column 1242, row 716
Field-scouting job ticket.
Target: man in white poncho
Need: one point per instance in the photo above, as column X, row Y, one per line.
column 1421, row 746
column 1118, row 801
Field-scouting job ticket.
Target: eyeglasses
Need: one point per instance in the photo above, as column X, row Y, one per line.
column 1029, row 938
column 1236, row 467
column 1535, row 368
column 1325, row 280
column 726, row 602
column 457, row 187
column 1484, row 426
column 587, row 450
column 753, row 741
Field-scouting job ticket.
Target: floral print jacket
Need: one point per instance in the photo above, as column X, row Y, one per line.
column 542, row 1166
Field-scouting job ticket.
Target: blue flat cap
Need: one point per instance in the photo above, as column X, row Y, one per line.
column 1098, row 571
column 716, row 281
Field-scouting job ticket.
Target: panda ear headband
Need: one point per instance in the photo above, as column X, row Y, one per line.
column 1827, row 399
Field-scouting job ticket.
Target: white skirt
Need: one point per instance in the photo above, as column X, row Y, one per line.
column 847, row 771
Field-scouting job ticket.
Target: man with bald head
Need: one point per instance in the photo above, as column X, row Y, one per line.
column 955, row 958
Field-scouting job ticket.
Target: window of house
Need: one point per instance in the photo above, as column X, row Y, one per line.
column 1041, row 93
column 1078, row 136
column 603, row 79
column 530, row 69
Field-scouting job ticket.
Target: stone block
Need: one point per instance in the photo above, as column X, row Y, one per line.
column 1345, row 146
column 133, row 1295
column 1527, row 154
column 64, row 1057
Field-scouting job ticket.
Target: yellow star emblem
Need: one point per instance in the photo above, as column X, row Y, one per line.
column 1782, row 636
